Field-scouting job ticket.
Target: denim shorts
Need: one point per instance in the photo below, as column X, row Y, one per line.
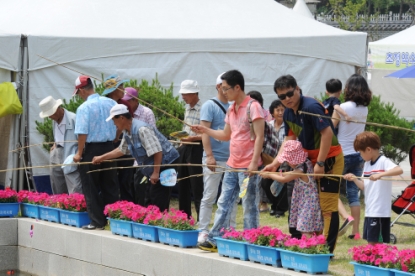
column 353, row 163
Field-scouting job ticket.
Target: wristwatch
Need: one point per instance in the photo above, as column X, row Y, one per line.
column 320, row 163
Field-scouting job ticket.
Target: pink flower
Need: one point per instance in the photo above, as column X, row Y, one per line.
column 8, row 196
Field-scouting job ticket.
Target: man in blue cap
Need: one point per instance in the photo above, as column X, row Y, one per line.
column 114, row 89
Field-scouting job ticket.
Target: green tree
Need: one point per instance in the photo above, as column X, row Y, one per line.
column 153, row 93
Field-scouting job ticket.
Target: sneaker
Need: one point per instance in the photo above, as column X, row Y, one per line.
column 354, row 237
column 343, row 229
column 92, row 227
column 202, row 237
column 208, row 246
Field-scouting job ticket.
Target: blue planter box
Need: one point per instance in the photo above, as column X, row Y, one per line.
column 310, row 263
column 232, row 249
column 184, row 238
column 370, row 270
column 145, row 232
column 77, row 219
column 30, row 210
column 264, row 255
column 121, row 227
column 49, row 214
column 9, row 209
column 401, row 273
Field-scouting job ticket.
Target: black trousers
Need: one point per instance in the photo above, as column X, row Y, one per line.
column 126, row 179
column 190, row 154
column 141, row 189
column 278, row 203
column 99, row 188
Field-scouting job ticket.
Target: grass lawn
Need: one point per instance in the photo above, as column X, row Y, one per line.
column 340, row 264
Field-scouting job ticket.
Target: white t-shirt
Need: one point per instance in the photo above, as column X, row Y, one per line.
column 378, row 194
column 59, row 132
column 348, row 131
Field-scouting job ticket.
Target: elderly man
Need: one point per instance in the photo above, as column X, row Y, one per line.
column 66, row 180
column 149, row 147
column 190, row 154
column 114, row 89
column 95, row 137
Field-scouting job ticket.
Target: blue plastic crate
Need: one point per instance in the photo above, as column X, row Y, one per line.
column 9, row 209
column 49, row 214
column 232, row 249
column 121, row 227
column 370, row 270
column 145, row 232
column 401, row 273
column 77, row 219
column 184, row 238
column 30, row 210
column 264, row 255
column 310, row 263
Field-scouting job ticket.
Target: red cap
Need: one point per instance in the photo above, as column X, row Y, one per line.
column 80, row 82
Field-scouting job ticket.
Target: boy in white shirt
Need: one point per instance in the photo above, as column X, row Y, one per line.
column 378, row 191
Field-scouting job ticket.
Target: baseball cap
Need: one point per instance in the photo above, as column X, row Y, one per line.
column 189, row 86
column 80, row 82
column 218, row 79
column 130, row 93
column 117, row 109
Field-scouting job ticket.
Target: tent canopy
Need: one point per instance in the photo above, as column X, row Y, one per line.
column 9, row 51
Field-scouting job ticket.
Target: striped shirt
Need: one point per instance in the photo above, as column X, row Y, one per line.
column 148, row 139
column 145, row 114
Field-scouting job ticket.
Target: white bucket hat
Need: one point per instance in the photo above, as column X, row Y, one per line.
column 188, row 87
column 49, row 106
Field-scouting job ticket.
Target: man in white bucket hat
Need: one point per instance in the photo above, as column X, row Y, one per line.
column 67, row 179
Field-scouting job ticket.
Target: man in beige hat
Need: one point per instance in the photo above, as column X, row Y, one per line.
column 190, row 154
column 66, row 180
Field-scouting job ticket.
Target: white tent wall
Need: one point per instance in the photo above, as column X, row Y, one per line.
column 386, row 56
column 260, row 71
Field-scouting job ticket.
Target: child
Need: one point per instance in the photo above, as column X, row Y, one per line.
column 333, row 90
column 305, row 212
column 376, row 228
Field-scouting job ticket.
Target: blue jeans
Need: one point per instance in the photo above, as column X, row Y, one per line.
column 353, row 163
column 230, row 192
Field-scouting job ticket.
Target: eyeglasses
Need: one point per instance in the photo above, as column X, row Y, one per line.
column 289, row 94
column 226, row 89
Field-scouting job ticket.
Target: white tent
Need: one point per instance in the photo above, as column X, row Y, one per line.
column 9, row 125
column 185, row 39
column 386, row 56
column 300, row 7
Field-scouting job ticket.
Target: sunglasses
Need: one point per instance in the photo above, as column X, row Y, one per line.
column 289, row 94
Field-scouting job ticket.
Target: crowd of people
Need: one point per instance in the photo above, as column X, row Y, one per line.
column 223, row 144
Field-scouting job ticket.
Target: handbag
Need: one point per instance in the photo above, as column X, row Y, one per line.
column 271, row 141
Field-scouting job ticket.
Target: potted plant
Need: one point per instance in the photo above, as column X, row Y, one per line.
column 119, row 215
column 9, row 207
column 30, row 202
column 262, row 244
column 232, row 244
column 73, row 210
column 144, row 221
column 175, row 228
column 375, row 259
column 49, row 208
column 309, row 254
column 405, row 265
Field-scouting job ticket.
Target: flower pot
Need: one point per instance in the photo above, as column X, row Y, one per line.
column 145, row 232
column 49, row 214
column 121, row 227
column 370, row 270
column 30, row 210
column 77, row 219
column 9, row 209
column 232, row 249
column 264, row 255
column 310, row 263
column 181, row 238
column 401, row 273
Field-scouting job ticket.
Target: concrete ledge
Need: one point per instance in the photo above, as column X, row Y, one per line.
column 56, row 249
